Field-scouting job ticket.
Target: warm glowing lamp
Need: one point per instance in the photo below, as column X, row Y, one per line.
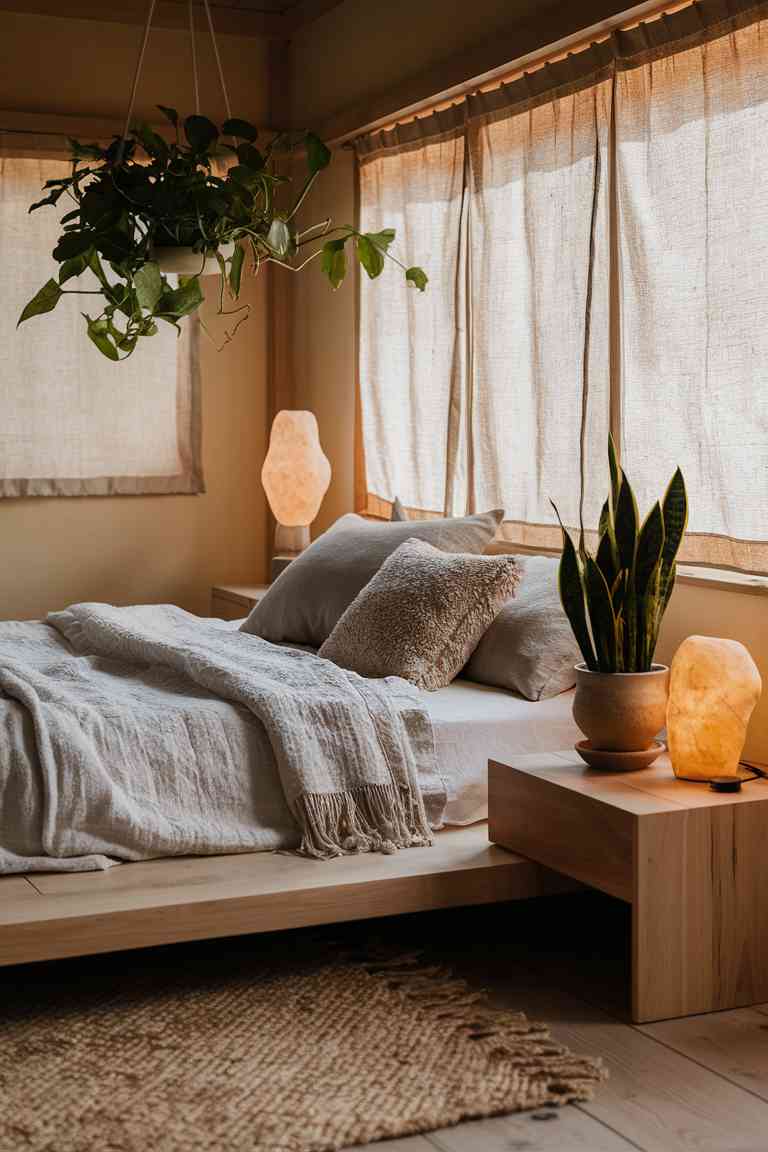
column 713, row 687
column 295, row 475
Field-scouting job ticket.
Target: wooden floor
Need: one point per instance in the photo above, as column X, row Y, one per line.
column 680, row 1086
column 693, row 1085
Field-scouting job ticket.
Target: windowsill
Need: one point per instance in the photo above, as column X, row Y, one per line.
column 722, row 579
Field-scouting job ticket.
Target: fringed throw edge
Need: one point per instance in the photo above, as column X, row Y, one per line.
column 371, row 818
column 554, row 1075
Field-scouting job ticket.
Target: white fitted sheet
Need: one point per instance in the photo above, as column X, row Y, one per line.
column 474, row 724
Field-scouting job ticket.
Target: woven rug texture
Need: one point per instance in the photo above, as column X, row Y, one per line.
column 271, row 1057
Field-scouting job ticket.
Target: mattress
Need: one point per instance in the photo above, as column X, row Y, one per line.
column 474, row 724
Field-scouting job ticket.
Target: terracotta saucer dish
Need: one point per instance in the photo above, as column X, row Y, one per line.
column 618, row 761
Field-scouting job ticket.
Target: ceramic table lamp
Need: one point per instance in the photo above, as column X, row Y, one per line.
column 295, row 475
column 714, row 685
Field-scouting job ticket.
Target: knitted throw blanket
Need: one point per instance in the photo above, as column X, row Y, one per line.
column 348, row 750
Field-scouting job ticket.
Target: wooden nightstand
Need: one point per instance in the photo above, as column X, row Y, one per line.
column 233, row 601
column 690, row 861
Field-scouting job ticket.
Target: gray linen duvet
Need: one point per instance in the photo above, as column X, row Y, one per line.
column 128, row 734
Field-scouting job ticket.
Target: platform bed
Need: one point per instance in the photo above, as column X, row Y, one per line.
column 46, row 916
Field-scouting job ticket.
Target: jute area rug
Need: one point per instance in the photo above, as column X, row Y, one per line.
column 270, row 1055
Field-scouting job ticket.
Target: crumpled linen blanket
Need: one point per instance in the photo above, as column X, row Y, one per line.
column 132, row 733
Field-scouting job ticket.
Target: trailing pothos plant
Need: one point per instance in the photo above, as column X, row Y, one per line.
column 142, row 194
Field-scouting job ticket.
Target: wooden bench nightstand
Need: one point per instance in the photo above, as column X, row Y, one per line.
column 233, row 601
column 690, row 861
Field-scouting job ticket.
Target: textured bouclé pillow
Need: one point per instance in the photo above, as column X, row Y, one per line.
column 421, row 615
column 529, row 648
column 307, row 599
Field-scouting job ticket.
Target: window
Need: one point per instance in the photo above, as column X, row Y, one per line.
column 71, row 422
column 596, row 234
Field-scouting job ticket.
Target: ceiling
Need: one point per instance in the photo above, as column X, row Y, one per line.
column 276, row 19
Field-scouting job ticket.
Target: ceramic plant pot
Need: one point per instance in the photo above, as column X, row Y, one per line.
column 185, row 262
column 621, row 711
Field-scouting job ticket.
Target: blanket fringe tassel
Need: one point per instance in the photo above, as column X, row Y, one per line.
column 372, row 818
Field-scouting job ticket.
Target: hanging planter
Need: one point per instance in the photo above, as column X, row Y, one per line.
column 185, row 261
column 209, row 201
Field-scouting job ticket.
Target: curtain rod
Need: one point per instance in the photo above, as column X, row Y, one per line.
column 493, row 77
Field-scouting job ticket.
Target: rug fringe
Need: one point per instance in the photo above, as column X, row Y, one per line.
column 503, row 1035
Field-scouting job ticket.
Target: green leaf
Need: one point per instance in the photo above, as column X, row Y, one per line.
column 279, row 237
column 370, row 256
column 418, row 277
column 626, row 521
column 85, row 151
column 52, row 198
column 169, row 113
column 148, row 284
column 181, row 301
column 382, row 239
column 241, row 128
column 74, row 267
column 98, row 333
column 605, row 559
column 630, row 630
column 601, row 615
column 318, row 154
column 572, row 596
column 333, row 261
column 236, row 270
column 615, row 471
column 151, row 142
column 675, row 511
column 72, row 244
column 250, row 157
column 650, row 546
column 200, row 132
column 43, row 301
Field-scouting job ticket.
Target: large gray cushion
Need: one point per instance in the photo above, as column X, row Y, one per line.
column 421, row 615
column 307, row 599
column 529, row 648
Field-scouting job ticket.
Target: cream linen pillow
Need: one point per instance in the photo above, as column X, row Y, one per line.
column 421, row 615
column 307, row 599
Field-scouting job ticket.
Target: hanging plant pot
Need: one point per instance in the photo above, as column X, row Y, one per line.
column 178, row 261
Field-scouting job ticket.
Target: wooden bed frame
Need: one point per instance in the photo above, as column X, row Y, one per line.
column 46, row 916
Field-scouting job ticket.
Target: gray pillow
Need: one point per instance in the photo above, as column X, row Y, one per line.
column 421, row 615
column 529, row 648
column 307, row 599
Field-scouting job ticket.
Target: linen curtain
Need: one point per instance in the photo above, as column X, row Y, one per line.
column 615, row 216
column 71, row 422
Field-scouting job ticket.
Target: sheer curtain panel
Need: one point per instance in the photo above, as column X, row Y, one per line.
column 596, row 234
column 71, row 422
column 692, row 166
column 413, row 350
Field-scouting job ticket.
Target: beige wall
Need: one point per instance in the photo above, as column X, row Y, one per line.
column 325, row 82
column 85, row 67
column 157, row 548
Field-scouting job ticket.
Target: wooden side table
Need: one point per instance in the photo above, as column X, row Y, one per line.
column 233, row 601
column 690, row 861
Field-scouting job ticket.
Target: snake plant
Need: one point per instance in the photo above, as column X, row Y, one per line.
column 615, row 600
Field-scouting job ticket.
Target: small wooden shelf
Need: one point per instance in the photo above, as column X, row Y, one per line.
column 234, row 601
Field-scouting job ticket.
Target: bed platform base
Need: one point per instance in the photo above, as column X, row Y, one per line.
column 47, row 916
